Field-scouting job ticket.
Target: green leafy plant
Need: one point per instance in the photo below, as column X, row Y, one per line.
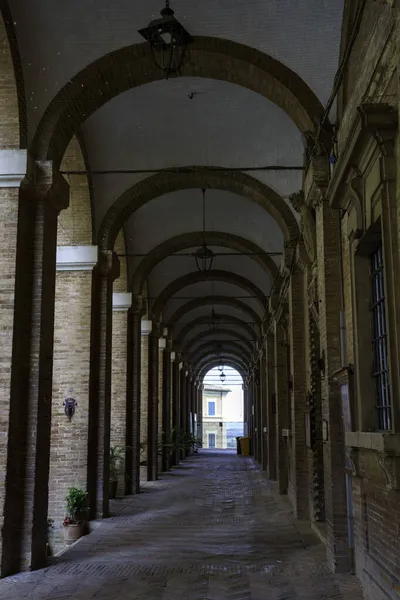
column 77, row 507
column 178, row 440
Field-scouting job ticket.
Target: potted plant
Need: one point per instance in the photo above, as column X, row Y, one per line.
column 117, row 456
column 50, row 526
column 77, row 509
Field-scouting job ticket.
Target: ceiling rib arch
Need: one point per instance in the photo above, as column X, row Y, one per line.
column 208, row 358
column 191, row 240
column 210, row 347
column 200, row 337
column 209, row 301
column 160, row 184
column 215, row 363
column 234, row 321
column 196, row 277
column 132, row 66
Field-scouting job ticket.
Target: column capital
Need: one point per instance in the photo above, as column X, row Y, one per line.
column 43, row 183
column 173, row 356
column 146, row 327
column 76, row 258
column 121, row 302
column 162, row 343
column 13, row 167
column 108, row 264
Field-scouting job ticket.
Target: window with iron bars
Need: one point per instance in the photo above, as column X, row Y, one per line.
column 380, row 369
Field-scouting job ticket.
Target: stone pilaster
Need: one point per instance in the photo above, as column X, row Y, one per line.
column 329, row 286
column 166, row 402
column 71, row 370
column 146, row 327
column 176, row 402
column 282, row 404
column 152, row 422
column 183, row 405
column 121, row 304
column 271, row 438
column 41, row 197
column 106, row 270
column 299, row 475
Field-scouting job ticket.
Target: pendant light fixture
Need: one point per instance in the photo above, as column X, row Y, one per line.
column 222, row 377
column 204, row 257
column 168, row 40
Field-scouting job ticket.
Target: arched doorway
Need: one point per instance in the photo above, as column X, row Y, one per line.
column 223, row 408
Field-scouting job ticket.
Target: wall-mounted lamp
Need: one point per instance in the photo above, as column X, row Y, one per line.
column 70, row 405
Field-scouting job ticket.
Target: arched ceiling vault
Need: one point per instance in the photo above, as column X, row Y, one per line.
column 213, row 275
column 204, row 361
column 214, row 336
column 213, row 301
column 209, row 347
column 223, row 319
column 215, row 363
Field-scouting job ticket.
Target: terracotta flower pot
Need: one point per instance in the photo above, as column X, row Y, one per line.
column 113, row 489
column 73, row 532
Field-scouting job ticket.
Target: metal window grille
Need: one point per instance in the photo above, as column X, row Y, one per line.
column 380, row 369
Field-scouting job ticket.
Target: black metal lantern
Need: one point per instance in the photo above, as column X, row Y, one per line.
column 70, row 405
column 204, row 256
column 222, row 377
column 168, row 40
column 214, row 321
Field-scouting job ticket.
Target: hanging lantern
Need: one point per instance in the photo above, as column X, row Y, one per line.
column 168, row 40
column 204, row 257
column 222, row 377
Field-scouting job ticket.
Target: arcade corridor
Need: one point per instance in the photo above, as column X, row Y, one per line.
column 212, row 529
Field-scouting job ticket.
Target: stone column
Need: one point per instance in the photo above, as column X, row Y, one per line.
column 146, row 327
column 245, row 408
column 329, row 285
column 265, row 405
column 133, row 417
column 166, row 402
column 26, row 485
column 299, row 475
column 121, row 304
column 200, row 411
column 183, row 407
column 271, row 444
column 152, row 422
column 13, row 165
column 71, row 374
column 176, row 401
column 106, row 270
column 282, row 400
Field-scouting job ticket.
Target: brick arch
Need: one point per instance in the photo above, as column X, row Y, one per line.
column 199, row 177
column 205, row 320
column 13, row 120
column 203, row 334
column 239, row 367
column 207, row 359
column 193, row 239
column 197, row 277
column 210, row 300
column 207, row 346
column 132, row 66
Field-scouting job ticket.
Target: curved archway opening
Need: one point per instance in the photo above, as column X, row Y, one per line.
column 223, row 408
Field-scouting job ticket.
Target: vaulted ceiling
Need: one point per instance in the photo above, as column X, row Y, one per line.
column 201, row 121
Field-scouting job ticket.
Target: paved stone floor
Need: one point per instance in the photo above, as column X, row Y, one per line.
column 211, row 530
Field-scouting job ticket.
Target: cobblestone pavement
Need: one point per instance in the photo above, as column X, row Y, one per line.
column 211, row 530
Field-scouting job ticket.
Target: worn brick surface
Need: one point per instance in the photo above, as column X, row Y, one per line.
column 211, row 529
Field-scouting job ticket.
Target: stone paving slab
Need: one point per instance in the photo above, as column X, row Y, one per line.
column 211, row 530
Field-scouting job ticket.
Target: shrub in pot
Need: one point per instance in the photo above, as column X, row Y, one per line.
column 117, row 456
column 77, row 510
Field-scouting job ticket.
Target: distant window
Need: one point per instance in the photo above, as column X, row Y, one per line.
column 211, row 440
column 379, row 342
column 211, row 409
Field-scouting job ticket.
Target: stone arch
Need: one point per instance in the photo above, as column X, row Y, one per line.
column 203, row 334
column 197, row 277
column 192, row 240
column 209, row 346
column 214, row 363
column 231, row 355
column 209, row 301
column 205, row 320
column 213, row 58
column 199, row 177
column 13, row 121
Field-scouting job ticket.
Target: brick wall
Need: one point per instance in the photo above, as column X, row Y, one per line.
column 9, row 138
column 118, row 387
column 144, row 392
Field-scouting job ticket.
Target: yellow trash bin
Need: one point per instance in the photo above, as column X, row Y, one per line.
column 245, row 445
